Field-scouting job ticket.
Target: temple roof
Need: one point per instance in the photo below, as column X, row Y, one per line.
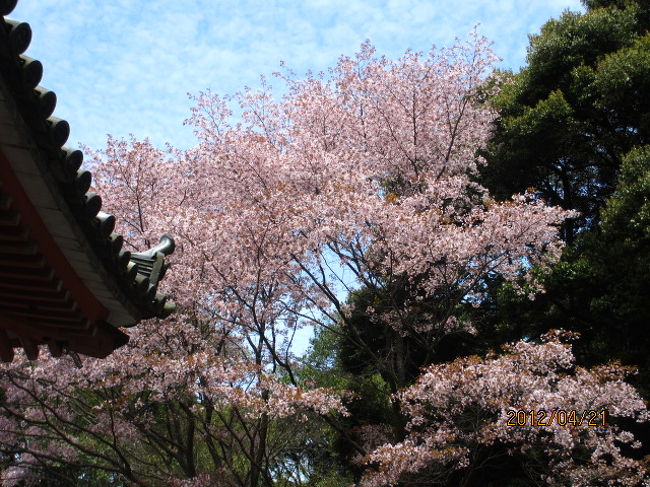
column 65, row 279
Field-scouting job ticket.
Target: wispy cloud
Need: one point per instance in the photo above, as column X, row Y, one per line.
column 126, row 66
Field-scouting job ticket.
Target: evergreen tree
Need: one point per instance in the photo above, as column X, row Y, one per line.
column 574, row 125
column 566, row 122
column 567, row 119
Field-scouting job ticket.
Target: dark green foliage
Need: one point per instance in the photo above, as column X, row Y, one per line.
column 568, row 117
column 575, row 125
column 566, row 123
column 643, row 6
column 619, row 261
column 368, row 402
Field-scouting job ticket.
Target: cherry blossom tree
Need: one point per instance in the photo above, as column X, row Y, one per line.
column 189, row 397
column 361, row 177
column 464, row 414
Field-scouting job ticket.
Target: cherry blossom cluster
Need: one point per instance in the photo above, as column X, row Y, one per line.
column 528, row 376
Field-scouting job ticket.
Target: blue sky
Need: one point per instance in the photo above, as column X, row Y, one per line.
column 126, row 66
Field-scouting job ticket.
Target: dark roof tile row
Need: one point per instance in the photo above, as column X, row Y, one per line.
column 136, row 275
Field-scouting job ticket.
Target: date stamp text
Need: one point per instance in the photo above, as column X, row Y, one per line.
column 562, row 417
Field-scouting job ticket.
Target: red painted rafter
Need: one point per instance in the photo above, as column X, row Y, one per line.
column 54, row 257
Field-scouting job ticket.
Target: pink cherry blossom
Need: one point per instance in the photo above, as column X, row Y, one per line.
column 358, row 177
column 528, row 377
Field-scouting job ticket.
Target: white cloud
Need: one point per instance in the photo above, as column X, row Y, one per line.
column 126, row 66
